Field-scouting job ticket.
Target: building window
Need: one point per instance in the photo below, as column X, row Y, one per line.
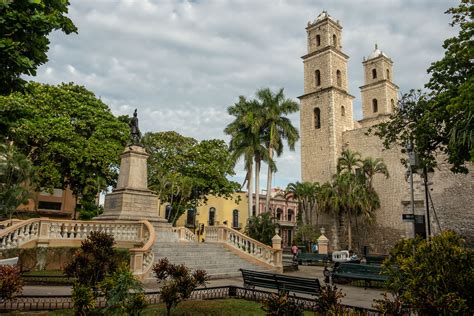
column 318, row 40
column 338, row 78
column 392, row 102
column 317, row 78
column 317, row 118
column 374, row 73
column 190, row 218
column 334, row 40
column 253, row 211
column 235, row 219
column 388, row 74
column 290, row 215
column 279, row 213
column 343, row 111
column 168, row 211
column 375, row 106
column 212, row 216
column 53, row 206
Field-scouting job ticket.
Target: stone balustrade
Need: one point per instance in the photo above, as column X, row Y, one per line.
column 184, row 234
column 252, row 249
column 137, row 236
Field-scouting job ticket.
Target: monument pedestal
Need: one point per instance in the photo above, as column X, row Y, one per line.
column 132, row 200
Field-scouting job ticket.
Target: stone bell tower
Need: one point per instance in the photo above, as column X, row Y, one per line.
column 379, row 93
column 326, row 105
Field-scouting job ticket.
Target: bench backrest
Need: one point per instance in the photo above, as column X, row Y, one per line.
column 358, row 268
column 281, row 282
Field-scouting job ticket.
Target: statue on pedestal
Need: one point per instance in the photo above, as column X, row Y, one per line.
column 134, row 130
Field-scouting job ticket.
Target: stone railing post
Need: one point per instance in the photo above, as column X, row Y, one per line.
column 136, row 262
column 43, row 235
column 323, row 243
column 278, row 254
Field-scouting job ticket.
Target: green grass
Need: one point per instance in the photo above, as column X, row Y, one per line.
column 227, row 307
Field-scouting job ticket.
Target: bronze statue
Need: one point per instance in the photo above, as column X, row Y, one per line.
column 134, row 130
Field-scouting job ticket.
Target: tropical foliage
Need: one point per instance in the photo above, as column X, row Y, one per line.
column 11, row 283
column 262, row 228
column 351, row 194
column 70, row 136
column 258, row 132
column 306, row 194
column 443, row 118
column 94, row 260
column 430, row 277
column 15, row 172
column 282, row 304
column 177, row 282
column 183, row 171
column 25, row 26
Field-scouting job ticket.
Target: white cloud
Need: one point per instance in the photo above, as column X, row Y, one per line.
column 182, row 63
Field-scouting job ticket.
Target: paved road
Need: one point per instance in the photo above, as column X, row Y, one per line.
column 355, row 296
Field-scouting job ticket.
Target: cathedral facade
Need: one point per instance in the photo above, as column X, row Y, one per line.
column 328, row 127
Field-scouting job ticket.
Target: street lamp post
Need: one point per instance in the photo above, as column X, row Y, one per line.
column 412, row 162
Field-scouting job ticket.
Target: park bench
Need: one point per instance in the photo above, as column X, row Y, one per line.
column 280, row 282
column 310, row 258
column 375, row 259
column 357, row 271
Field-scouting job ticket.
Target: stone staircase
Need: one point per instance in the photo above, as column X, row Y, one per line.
column 215, row 258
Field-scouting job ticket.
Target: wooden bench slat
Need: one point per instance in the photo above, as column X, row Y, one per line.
column 281, row 282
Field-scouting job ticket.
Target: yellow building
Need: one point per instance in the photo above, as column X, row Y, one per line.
column 234, row 213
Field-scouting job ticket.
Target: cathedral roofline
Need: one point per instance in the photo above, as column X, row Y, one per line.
column 321, row 18
column 325, row 90
column 322, row 50
column 373, row 84
column 376, row 54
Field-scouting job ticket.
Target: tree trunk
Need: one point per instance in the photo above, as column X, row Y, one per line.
column 349, row 232
column 269, row 181
column 257, row 186
column 250, row 190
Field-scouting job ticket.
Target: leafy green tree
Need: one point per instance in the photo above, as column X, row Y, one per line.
column 71, row 137
column 261, row 227
column 15, row 172
column 183, row 171
column 24, row 29
column 276, row 128
column 442, row 119
column 432, row 277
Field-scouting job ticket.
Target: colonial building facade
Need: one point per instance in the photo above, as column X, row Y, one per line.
column 328, row 127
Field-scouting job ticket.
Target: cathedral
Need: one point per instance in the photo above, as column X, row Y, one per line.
column 328, row 127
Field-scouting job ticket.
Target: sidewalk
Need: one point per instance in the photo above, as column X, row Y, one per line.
column 355, row 296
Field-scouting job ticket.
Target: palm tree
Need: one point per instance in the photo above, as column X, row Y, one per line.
column 371, row 167
column 246, row 142
column 348, row 161
column 306, row 195
column 276, row 128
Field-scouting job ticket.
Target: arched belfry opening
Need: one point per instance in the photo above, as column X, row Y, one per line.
column 317, row 118
column 317, row 78
column 374, row 73
column 338, row 78
column 375, row 106
column 318, row 40
column 334, row 40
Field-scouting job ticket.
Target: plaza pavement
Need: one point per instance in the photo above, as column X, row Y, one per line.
column 355, row 296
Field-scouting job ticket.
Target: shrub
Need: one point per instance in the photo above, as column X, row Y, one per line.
column 94, row 260
column 10, row 282
column 178, row 282
column 123, row 292
column 329, row 301
column 282, row 304
column 83, row 299
column 431, row 277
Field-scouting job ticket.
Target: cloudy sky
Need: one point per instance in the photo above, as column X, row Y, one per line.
column 182, row 63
